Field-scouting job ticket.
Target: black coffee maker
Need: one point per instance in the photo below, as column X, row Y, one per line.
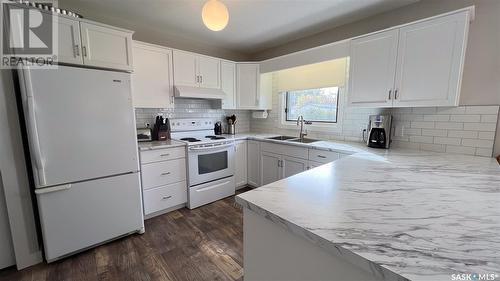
column 379, row 131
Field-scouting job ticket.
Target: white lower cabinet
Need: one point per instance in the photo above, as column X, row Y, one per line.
column 240, row 163
column 164, row 197
column 270, row 167
column 164, row 185
column 314, row 164
column 253, row 163
column 292, row 166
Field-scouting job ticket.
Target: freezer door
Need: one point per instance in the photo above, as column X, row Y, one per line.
column 77, row 216
column 80, row 122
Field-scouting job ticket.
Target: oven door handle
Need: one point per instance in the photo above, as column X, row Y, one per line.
column 210, row 147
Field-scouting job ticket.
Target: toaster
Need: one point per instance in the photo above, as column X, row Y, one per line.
column 144, row 134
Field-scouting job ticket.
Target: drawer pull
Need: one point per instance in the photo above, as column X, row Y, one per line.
column 321, row 156
column 165, row 155
column 165, row 174
column 166, row 197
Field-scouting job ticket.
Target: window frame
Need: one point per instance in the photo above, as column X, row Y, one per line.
column 285, row 94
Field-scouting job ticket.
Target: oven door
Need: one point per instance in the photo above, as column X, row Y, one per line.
column 210, row 163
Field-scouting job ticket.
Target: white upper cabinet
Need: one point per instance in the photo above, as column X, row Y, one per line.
column 266, row 91
column 209, row 72
column 185, row 72
column 196, row 70
column 228, row 84
column 419, row 64
column 69, row 43
column 430, row 59
column 152, row 77
column 247, row 85
column 372, row 68
column 106, row 47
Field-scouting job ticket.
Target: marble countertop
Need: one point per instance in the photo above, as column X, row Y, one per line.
column 402, row 214
column 152, row 145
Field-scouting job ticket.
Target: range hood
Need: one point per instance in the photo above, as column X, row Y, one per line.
column 199, row 93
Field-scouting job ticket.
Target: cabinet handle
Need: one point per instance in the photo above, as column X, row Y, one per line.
column 164, row 155
column 201, row 79
column 166, row 197
column 84, row 51
column 396, row 94
column 77, row 50
column 390, row 92
column 321, row 156
column 165, row 174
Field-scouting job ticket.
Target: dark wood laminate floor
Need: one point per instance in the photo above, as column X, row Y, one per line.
column 201, row 244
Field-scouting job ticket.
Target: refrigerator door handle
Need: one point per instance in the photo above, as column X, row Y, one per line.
column 53, row 189
column 32, row 127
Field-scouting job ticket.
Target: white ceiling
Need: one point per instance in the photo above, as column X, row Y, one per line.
column 254, row 25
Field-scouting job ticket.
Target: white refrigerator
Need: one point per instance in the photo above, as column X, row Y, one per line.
column 81, row 133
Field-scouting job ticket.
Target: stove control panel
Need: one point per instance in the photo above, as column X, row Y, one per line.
column 181, row 125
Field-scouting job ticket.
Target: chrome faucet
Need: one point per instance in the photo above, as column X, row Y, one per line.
column 301, row 122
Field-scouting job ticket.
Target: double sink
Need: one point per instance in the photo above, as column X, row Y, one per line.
column 293, row 139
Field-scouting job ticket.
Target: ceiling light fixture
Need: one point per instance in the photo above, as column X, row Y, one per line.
column 215, row 15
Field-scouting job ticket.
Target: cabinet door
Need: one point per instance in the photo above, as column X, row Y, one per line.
column 270, row 169
column 69, row 46
column 106, row 47
column 185, row 72
column 293, row 166
column 240, row 174
column 152, row 77
column 247, row 85
column 372, row 69
column 253, row 168
column 430, row 61
column 266, row 91
column 228, row 81
column 209, row 72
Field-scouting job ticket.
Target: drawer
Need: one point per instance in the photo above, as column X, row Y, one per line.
column 151, row 156
column 164, row 197
column 283, row 149
column 323, row 156
column 162, row 173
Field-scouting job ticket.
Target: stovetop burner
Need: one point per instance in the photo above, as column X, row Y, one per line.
column 190, row 139
column 215, row 137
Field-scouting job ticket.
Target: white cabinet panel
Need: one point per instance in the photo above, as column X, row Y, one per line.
column 372, row 69
column 106, row 47
column 228, row 84
column 314, row 164
column 158, row 155
column 253, row 149
column 430, row 60
column 185, row 72
column 322, row 156
column 247, row 85
column 209, row 72
column 293, row 166
column 162, row 173
column 240, row 174
column 152, row 77
column 270, row 167
column 164, row 197
column 69, row 43
column 266, row 91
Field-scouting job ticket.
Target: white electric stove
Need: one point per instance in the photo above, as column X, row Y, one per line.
column 210, row 160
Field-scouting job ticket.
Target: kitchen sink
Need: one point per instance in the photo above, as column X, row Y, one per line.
column 304, row 140
column 282, row 138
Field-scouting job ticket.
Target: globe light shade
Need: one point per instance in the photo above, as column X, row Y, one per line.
column 215, row 15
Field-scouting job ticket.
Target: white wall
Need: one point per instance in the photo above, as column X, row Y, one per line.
column 15, row 179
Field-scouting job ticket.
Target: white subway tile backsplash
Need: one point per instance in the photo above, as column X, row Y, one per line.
column 465, row 118
column 486, row 135
column 489, row 127
column 433, row 147
column 460, row 149
column 434, row 132
column 462, row 134
column 493, row 109
column 422, row 125
column 422, row 139
column 450, row 110
column 424, row 110
column 442, row 140
column 489, row 118
column 449, row 125
column 488, row 152
column 436, row 117
column 477, row 143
